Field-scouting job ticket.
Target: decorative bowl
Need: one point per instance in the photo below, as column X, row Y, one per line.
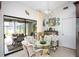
column 42, row 42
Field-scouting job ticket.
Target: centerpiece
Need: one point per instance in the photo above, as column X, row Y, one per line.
column 42, row 41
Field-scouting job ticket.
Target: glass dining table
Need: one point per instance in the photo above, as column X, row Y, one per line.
column 45, row 46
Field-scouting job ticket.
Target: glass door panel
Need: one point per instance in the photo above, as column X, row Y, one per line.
column 20, row 27
column 8, row 28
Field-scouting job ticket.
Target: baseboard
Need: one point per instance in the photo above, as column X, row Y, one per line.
column 68, row 48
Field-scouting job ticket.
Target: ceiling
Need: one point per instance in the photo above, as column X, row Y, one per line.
column 44, row 5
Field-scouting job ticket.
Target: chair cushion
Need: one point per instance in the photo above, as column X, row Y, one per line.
column 47, row 38
column 30, row 39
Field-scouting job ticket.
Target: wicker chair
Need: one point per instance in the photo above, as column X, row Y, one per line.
column 30, row 51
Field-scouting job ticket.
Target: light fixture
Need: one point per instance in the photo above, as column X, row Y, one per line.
column 27, row 12
column 48, row 12
column 65, row 8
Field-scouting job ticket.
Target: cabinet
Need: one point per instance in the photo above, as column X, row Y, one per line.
column 50, row 32
column 77, row 28
column 0, row 5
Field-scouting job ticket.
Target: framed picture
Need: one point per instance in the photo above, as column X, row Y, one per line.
column 52, row 21
column 58, row 21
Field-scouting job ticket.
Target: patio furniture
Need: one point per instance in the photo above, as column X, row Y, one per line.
column 54, row 42
column 47, row 38
column 30, row 39
column 14, row 38
column 30, row 51
column 20, row 38
column 17, row 38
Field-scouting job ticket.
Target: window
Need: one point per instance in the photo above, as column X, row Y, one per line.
column 8, row 28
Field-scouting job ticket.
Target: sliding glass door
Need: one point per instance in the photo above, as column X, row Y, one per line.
column 20, row 27
column 8, row 28
column 11, row 27
column 14, row 28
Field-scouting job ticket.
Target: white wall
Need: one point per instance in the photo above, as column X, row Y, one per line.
column 1, row 33
column 67, row 25
column 18, row 10
column 40, row 19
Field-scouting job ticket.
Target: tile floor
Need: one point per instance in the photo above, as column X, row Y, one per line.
column 61, row 52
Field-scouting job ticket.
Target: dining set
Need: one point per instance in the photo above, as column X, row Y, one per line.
column 40, row 47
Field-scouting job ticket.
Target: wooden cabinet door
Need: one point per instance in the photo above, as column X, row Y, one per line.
column 77, row 9
column 77, row 37
column 77, row 28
